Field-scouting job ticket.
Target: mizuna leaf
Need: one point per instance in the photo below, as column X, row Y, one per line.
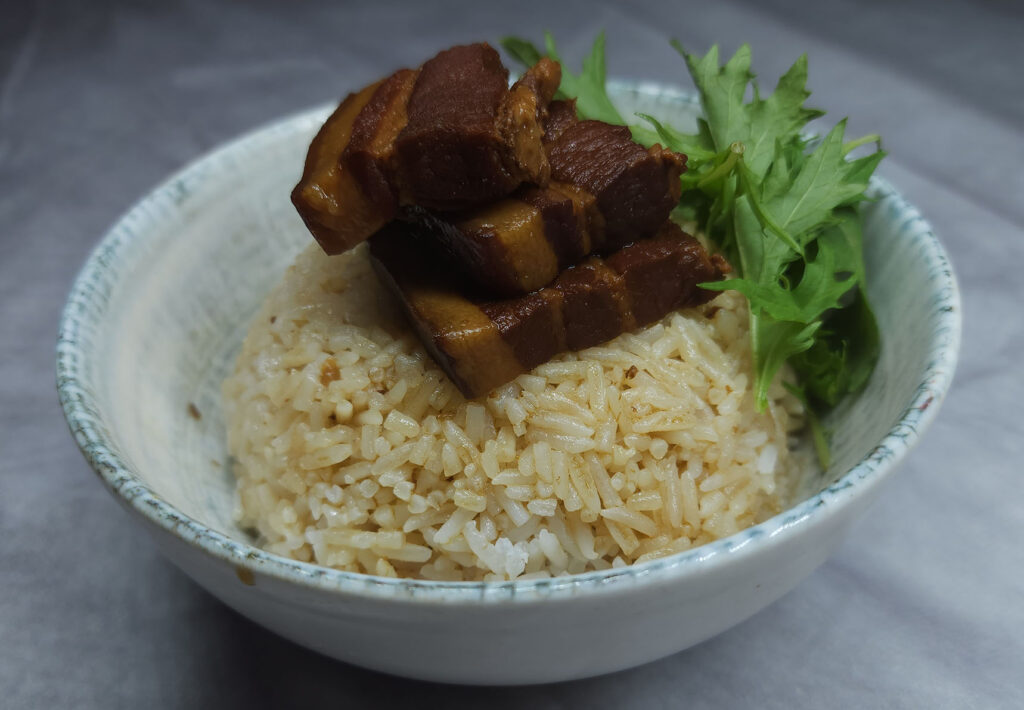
column 697, row 147
column 818, row 187
column 779, row 204
column 521, row 50
column 774, row 343
column 721, row 92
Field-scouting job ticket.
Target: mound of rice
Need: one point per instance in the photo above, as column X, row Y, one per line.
column 353, row 450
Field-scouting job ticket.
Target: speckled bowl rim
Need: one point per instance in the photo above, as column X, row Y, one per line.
column 92, row 288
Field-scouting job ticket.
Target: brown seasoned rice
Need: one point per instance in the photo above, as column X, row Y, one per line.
column 354, row 451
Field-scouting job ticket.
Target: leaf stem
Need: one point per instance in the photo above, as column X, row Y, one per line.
column 735, row 153
column 765, row 218
column 863, row 140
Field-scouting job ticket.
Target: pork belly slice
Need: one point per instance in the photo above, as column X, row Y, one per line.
column 450, row 135
column 469, row 139
column 635, row 188
column 482, row 344
column 614, row 192
column 336, row 209
column 371, row 149
column 619, row 193
column 517, row 244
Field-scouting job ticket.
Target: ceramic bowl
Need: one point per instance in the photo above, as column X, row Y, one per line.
column 157, row 315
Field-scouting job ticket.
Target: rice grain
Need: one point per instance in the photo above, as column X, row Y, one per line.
column 353, row 450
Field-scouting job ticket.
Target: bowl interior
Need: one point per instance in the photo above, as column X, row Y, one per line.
column 160, row 311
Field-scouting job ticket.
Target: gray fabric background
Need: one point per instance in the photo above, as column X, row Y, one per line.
column 923, row 606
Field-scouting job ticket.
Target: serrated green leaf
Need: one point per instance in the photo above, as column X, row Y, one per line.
column 817, row 188
column 859, row 171
column 781, row 114
column 768, row 221
column 721, row 91
column 844, row 239
column 643, row 135
column 818, row 291
column 697, row 147
column 778, row 204
column 847, row 348
column 820, row 287
column 587, row 87
column 774, row 342
column 762, row 254
column 780, row 173
column 521, row 50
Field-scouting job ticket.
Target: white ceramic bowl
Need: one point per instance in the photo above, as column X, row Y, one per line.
column 152, row 326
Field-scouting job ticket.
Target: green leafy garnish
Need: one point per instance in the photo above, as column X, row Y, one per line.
column 588, row 87
column 779, row 204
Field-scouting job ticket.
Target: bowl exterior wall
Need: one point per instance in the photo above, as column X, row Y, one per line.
column 628, row 623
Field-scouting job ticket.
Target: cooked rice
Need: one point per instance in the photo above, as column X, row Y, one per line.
column 353, row 450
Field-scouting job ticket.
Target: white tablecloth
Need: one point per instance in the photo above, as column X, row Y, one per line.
column 923, row 606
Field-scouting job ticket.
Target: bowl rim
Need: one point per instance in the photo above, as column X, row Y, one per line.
column 94, row 283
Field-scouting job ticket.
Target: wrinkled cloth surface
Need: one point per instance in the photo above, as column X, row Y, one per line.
column 922, row 606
